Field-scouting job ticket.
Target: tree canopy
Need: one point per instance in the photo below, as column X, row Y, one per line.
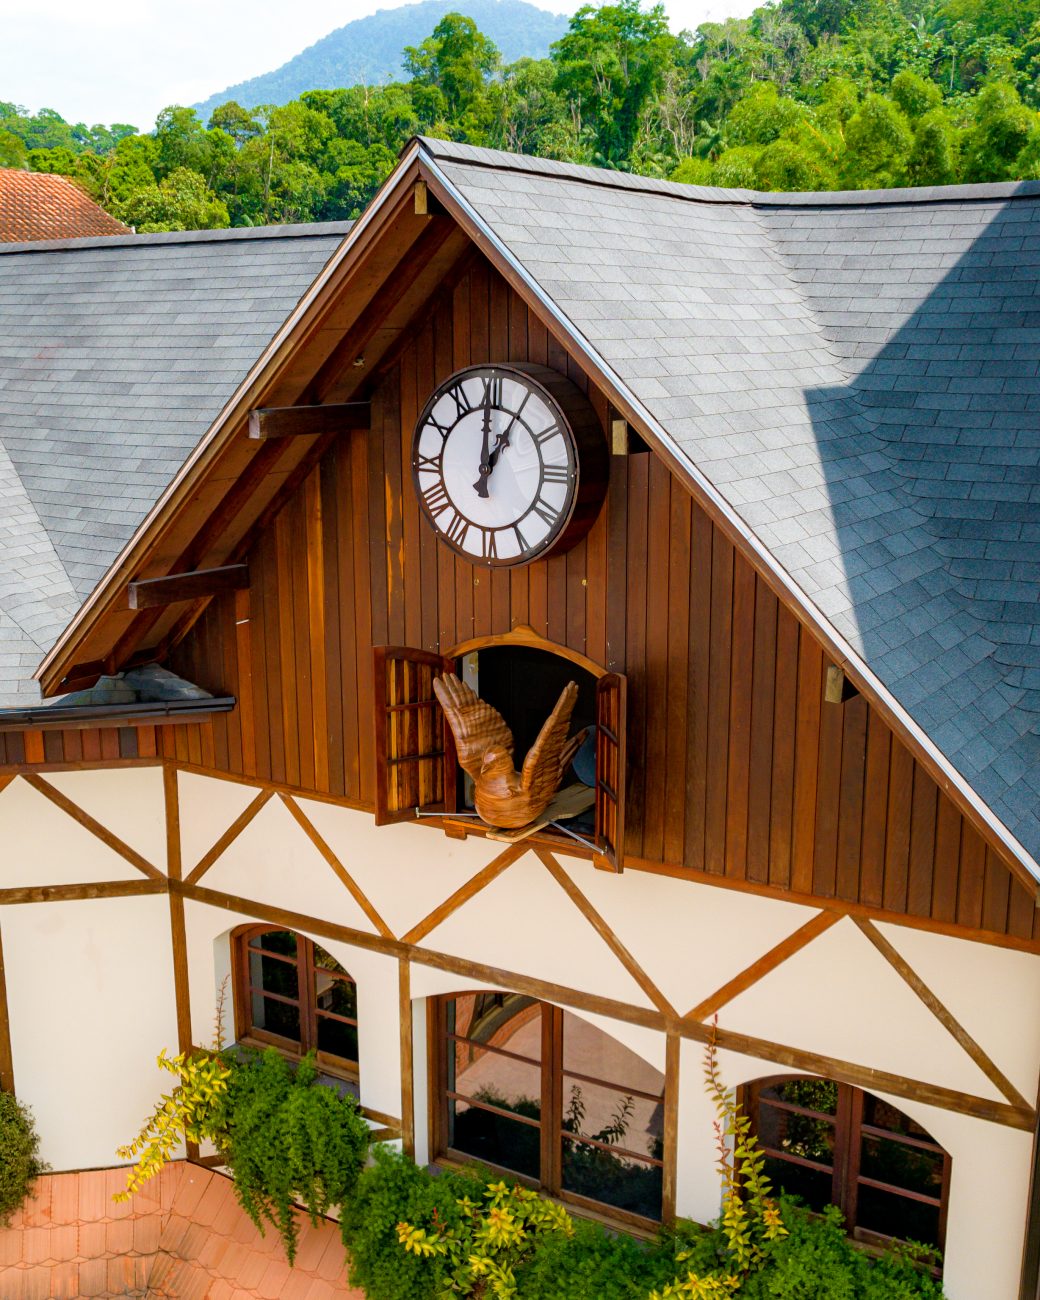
column 802, row 95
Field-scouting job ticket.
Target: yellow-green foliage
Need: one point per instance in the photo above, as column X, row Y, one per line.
column 193, row 1112
column 496, row 1236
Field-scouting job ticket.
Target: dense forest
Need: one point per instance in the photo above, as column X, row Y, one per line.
column 803, row 95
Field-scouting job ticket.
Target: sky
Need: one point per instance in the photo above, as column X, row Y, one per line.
column 124, row 60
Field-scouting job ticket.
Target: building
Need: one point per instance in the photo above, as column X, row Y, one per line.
column 37, row 205
column 768, row 472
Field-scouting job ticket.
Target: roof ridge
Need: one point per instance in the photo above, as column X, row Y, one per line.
column 492, row 159
column 296, row 230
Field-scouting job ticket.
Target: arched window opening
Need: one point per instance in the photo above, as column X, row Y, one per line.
column 541, row 1093
column 291, row 994
column 832, row 1144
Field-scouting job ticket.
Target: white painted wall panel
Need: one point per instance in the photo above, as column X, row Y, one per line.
column 90, row 987
column 128, row 801
column 41, row 845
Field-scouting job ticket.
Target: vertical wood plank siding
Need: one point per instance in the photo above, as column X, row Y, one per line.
column 736, row 765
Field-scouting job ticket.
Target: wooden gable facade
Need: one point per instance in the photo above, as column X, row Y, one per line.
column 739, row 769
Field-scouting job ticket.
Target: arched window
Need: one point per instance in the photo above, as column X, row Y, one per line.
column 539, row 1092
column 291, row 994
column 832, row 1144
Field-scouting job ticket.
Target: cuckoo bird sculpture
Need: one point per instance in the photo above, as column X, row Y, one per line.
column 502, row 795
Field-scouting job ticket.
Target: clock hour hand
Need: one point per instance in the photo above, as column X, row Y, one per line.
column 484, row 471
column 501, row 443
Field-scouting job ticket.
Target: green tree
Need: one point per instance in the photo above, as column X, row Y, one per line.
column 934, row 156
column 1003, row 129
column 13, row 152
column 878, row 141
column 457, row 60
column 180, row 201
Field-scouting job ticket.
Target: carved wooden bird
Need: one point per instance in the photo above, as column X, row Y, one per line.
column 503, row 796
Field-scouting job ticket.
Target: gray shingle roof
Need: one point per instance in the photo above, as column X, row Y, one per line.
column 115, row 356
column 859, row 376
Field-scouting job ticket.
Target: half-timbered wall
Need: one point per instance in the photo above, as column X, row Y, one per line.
column 737, row 768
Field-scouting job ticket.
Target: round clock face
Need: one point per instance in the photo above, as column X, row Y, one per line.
column 495, row 465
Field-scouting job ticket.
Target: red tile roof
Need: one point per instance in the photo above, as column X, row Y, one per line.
column 34, row 205
column 182, row 1236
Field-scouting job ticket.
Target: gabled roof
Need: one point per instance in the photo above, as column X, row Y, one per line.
column 35, row 205
column 847, row 382
column 856, row 377
column 115, row 356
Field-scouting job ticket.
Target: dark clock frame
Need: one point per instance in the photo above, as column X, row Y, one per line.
column 579, row 424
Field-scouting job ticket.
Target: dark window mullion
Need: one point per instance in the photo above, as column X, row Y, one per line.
column 308, row 1020
column 552, row 1097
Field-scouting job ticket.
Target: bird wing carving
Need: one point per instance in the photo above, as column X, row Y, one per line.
column 476, row 725
column 544, row 766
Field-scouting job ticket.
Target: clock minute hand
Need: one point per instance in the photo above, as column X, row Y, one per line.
column 484, row 471
column 502, row 441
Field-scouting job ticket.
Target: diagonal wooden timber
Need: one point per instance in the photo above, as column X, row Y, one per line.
column 148, row 592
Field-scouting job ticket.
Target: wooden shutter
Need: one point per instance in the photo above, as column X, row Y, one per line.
column 611, row 712
column 415, row 750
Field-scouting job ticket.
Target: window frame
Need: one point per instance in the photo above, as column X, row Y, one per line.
column 306, row 967
column 849, row 1132
column 549, row 1123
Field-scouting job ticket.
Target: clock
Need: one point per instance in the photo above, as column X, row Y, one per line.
column 509, row 462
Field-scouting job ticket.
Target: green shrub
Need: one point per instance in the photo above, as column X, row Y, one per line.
column 290, row 1138
column 594, row 1262
column 391, row 1191
column 20, row 1164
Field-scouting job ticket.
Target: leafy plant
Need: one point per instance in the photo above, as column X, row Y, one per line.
column 493, row 1237
column 290, row 1139
column 20, row 1163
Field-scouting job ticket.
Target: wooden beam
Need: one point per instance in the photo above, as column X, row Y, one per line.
column 465, row 892
column 92, row 889
column 952, row 1026
column 407, row 1065
column 606, row 934
column 146, row 593
column 362, row 900
column 769, row 961
column 232, row 833
column 305, row 421
column 670, row 1131
column 6, row 1053
column 837, row 688
column 95, row 827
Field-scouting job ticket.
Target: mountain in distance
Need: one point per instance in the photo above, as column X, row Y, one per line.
column 370, row 50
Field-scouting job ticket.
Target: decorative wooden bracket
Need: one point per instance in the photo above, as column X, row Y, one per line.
column 838, row 688
column 427, row 204
column 149, row 592
column 301, row 421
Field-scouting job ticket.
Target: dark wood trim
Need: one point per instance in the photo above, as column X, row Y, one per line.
column 92, row 889
column 362, row 900
column 172, row 805
column 606, row 934
column 305, row 421
column 769, row 961
column 1029, row 1283
column 859, row 1076
column 407, row 1064
column 952, row 1026
column 670, row 1131
column 95, row 827
column 232, row 833
column 181, row 984
column 465, row 892
column 146, row 593
column 6, row 1053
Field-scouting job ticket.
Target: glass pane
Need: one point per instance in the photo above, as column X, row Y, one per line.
column 896, row 1216
column 814, row 1094
column 274, row 975
column 499, row 1019
column 276, row 1017
column 588, row 1050
column 903, row 1166
column 612, row 1179
column 608, row 1114
column 336, row 995
column 275, row 941
column 337, row 1038
column 798, row 1135
column 813, row 1187
column 485, row 1075
column 879, row 1114
column 325, row 961
column 495, row 1139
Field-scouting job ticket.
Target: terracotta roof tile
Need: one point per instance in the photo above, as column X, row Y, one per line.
column 184, row 1237
column 34, row 205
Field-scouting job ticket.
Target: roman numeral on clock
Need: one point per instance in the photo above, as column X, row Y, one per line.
column 436, row 498
column 556, row 474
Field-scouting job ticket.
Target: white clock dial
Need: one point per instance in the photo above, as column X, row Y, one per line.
column 495, row 465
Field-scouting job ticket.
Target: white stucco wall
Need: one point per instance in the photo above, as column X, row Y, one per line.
column 96, row 977
column 90, row 993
